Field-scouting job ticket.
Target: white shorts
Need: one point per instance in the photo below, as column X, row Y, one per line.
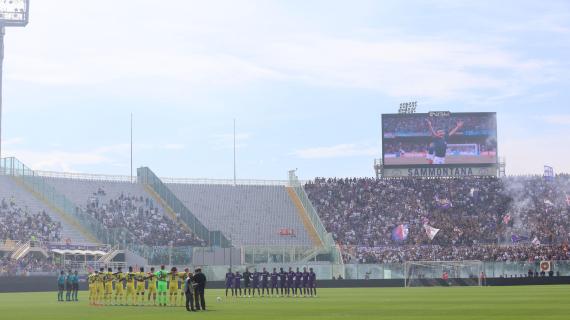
column 438, row 160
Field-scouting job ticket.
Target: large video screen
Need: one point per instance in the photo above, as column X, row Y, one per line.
column 439, row 138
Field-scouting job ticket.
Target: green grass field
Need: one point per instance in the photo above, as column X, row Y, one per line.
column 537, row 302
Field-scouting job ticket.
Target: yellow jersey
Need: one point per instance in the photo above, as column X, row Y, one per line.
column 140, row 277
column 119, row 278
column 108, row 278
column 91, row 279
column 182, row 277
column 131, row 278
column 151, row 280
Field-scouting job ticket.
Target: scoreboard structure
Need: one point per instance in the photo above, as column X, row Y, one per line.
column 439, row 144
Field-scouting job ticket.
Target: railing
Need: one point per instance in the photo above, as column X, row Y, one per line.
column 326, row 237
column 274, row 254
column 111, row 236
column 386, row 271
column 157, row 255
column 91, row 266
column 84, row 176
column 214, row 238
column 241, row 182
column 126, row 178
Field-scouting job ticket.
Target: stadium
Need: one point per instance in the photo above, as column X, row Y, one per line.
column 439, row 228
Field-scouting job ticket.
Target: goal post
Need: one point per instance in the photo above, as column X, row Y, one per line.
column 443, row 273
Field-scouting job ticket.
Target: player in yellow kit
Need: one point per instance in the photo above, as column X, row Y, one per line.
column 92, row 280
column 100, row 287
column 119, row 286
column 151, row 286
column 141, row 286
column 181, row 278
column 130, row 286
column 108, row 278
column 173, row 286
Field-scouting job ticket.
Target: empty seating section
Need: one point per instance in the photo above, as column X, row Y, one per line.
column 10, row 190
column 249, row 215
column 128, row 205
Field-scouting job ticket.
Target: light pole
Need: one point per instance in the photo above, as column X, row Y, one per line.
column 13, row 13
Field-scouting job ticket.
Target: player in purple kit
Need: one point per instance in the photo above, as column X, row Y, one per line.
column 255, row 282
column 312, row 283
column 274, row 276
column 290, row 279
column 298, row 278
column 305, row 282
column 237, row 284
column 282, row 281
column 229, row 281
column 264, row 282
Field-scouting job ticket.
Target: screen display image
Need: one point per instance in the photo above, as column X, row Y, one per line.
column 439, row 139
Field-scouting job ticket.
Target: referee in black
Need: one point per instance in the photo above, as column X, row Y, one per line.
column 200, row 281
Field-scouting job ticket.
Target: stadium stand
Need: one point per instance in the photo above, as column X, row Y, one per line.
column 249, row 214
column 478, row 218
column 37, row 211
column 30, row 263
column 125, row 204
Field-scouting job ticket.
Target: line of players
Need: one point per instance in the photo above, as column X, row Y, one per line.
column 118, row 288
column 282, row 283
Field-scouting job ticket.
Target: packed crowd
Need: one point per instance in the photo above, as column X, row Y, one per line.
column 488, row 253
column 30, row 263
column 467, row 211
column 142, row 218
column 17, row 223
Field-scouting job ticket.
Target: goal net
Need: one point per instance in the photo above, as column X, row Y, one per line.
column 443, row 273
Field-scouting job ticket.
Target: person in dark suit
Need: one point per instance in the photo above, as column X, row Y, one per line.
column 200, row 285
column 189, row 292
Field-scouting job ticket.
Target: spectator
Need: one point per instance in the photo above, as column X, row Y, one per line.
column 474, row 215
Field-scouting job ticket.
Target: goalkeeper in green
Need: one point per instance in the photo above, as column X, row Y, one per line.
column 161, row 276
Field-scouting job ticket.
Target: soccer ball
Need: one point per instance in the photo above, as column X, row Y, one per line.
column 219, row 299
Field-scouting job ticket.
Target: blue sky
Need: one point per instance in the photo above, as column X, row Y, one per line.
column 307, row 82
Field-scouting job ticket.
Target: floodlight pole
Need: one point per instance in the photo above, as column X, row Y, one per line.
column 2, row 31
column 18, row 17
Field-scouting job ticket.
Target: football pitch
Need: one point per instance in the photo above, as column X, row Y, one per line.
column 536, row 302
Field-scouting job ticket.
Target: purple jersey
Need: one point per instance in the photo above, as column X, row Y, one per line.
column 255, row 279
column 312, row 278
column 229, row 279
column 298, row 277
column 290, row 277
column 282, row 278
column 237, row 281
column 305, row 277
column 274, row 276
column 264, row 277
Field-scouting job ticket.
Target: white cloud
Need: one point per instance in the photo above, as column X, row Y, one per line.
column 68, row 161
column 560, row 119
column 212, row 51
column 56, row 160
column 402, row 66
column 337, row 151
